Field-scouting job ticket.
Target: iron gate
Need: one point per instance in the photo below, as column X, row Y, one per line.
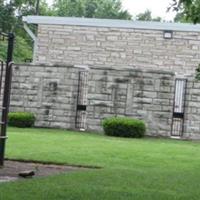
column 179, row 107
column 80, row 119
column 5, row 86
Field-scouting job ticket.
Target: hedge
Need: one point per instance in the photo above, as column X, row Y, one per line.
column 124, row 127
column 21, row 119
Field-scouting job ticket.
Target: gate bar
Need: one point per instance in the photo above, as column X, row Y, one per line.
column 81, row 105
column 77, row 100
column 179, row 115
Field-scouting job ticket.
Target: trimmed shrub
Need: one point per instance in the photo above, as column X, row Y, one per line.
column 21, row 119
column 124, row 127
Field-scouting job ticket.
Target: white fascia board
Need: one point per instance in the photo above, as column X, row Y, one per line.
column 113, row 23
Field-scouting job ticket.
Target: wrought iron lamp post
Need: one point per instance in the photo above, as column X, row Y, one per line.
column 6, row 93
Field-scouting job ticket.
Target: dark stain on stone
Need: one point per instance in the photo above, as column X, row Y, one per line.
column 53, row 86
column 120, row 80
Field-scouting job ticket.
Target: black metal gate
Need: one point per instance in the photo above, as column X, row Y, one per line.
column 179, row 107
column 5, row 86
column 80, row 119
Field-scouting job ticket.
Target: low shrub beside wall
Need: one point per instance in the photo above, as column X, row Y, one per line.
column 124, row 127
column 21, row 119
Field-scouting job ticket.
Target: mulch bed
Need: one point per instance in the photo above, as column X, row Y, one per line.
column 11, row 170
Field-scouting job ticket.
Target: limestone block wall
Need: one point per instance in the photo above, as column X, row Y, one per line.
column 50, row 92
column 117, row 47
column 192, row 110
column 141, row 94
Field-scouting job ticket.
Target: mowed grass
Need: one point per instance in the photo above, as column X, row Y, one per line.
column 135, row 169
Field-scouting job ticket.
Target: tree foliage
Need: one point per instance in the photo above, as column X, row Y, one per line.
column 91, row 8
column 11, row 13
column 22, row 50
column 147, row 16
column 188, row 9
column 7, row 17
column 181, row 17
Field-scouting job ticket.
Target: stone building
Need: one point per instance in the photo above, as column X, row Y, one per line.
column 85, row 70
column 116, row 43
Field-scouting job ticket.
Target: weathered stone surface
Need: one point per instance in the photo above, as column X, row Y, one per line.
column 50, row 92
column 108, row 48
column 192, row 111
column 134, row 97
column 44, row 91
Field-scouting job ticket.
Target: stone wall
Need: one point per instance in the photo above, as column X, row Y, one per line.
column 118, row 47
column 51, row 93
column 192, row 110
column 142, row 94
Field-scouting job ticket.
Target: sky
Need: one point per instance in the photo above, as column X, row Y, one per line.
column 158, row 7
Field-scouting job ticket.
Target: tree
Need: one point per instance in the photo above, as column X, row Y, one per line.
column 181, row 17
column 22, row 50
column 7, row 18
column 147, row 16
column 91, row 8
column 190, row 9
column 11, row 13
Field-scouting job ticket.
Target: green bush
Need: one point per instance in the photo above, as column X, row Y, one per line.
column 197, row 76
column 124, row 127
column 21, row 119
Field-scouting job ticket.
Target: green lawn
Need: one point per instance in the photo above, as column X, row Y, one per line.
column 156, row 169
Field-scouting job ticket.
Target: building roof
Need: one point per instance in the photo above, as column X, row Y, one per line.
column 93, row 22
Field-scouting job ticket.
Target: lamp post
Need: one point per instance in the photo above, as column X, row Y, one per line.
column 6, row 96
